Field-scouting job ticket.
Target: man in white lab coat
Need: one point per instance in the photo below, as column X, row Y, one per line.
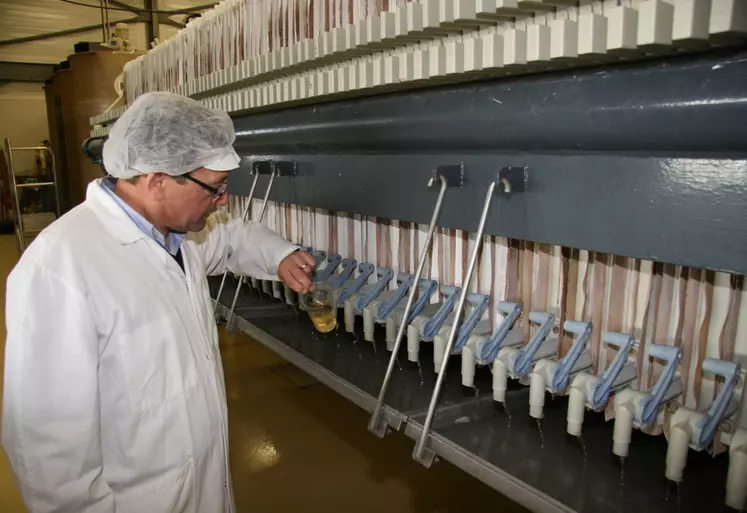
column 114, row 392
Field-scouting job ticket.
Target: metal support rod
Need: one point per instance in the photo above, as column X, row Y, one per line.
column 421, row 453
column 34, row 184
column 231, row 312
column 244, row 217
column 14, row 191
column 376, row 424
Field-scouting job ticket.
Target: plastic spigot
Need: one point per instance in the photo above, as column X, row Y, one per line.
column 525, row 356
column 370, row 292
column 432, row 325
column 480, row 303
column 602, row 388
column 561, row 373
column 319, row 256
column 426, row 289
column 365, row 271
column 710, row 422
column 649, row 406
column 404, row 282
column 511, row 312
column 333, row 260
column 348, row 266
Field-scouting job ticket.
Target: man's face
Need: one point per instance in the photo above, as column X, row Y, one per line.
column 187, row 204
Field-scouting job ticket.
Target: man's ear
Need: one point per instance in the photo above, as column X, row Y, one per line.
column 156, row 184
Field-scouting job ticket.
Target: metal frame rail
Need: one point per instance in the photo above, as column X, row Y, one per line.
column 21, row 233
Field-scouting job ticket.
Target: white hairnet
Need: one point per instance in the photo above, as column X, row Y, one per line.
column 169, row 133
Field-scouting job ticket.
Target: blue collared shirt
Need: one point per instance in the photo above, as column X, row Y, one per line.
column 171, row 243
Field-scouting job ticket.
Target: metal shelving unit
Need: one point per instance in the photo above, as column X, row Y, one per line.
column 545, row 470
column 29, row 226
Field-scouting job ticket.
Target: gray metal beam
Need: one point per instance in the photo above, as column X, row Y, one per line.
column 151, row 25
column 647, row 161
column 66, row 32
column 25, row 72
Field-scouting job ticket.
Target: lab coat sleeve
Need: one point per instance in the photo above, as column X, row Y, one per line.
column 245, row 248
column 51, row 401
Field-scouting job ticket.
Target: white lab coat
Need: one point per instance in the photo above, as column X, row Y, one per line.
column 114, row 392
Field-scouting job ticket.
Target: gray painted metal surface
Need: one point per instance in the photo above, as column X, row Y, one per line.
column 648, row 161
column 547, row 471
column 689, row 211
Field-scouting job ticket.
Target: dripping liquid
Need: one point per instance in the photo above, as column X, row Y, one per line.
column 541, row 433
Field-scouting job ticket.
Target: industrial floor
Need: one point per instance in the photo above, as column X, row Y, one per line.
column 298, row 446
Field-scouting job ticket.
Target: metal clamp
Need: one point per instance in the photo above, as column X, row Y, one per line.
column 449, row 175
column 421, row 453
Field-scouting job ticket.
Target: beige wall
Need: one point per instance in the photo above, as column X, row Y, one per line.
column 23, row 118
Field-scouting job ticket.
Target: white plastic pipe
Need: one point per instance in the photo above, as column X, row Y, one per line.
column 576, row 407
column 469, row 362
column 500, row 380
column 349, row 313
column 678, row 446
column 413, row 342
column 736, row 479
column 368, row 321
column 623, row 430
column 439, row 347
column 536, row 394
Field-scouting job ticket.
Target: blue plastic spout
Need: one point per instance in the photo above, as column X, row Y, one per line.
column 319, row 256
column 426, row 289
column 652, row 402
column 709, row 424
column 480, row 303
column 432, row 325
column 602, row 389
column 333, row 260
column 348, row 266
column 370, row 292
column 511, row 312
column 365, row 271
column 404, row 282
column 525, row 356
column 561, row 373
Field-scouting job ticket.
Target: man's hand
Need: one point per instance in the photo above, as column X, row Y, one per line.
column 295, row 271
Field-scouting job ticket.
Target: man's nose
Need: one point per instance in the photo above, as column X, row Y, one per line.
column 223, row 199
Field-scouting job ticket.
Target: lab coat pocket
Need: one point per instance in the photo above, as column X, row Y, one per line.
column 169, row 492
column 159, row 365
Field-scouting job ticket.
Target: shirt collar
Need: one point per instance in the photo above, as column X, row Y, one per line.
column 172, row 243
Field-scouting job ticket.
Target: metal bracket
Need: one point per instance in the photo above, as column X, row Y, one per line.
column 280, row 167
column 285, row 167
column 453, row 174
column 514, row 179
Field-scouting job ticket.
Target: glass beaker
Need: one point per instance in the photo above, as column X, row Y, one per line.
column 319, row 303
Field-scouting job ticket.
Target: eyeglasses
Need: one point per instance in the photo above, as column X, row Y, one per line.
column 216, row 191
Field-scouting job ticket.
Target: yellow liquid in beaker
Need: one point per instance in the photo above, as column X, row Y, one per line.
column 323, row 316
